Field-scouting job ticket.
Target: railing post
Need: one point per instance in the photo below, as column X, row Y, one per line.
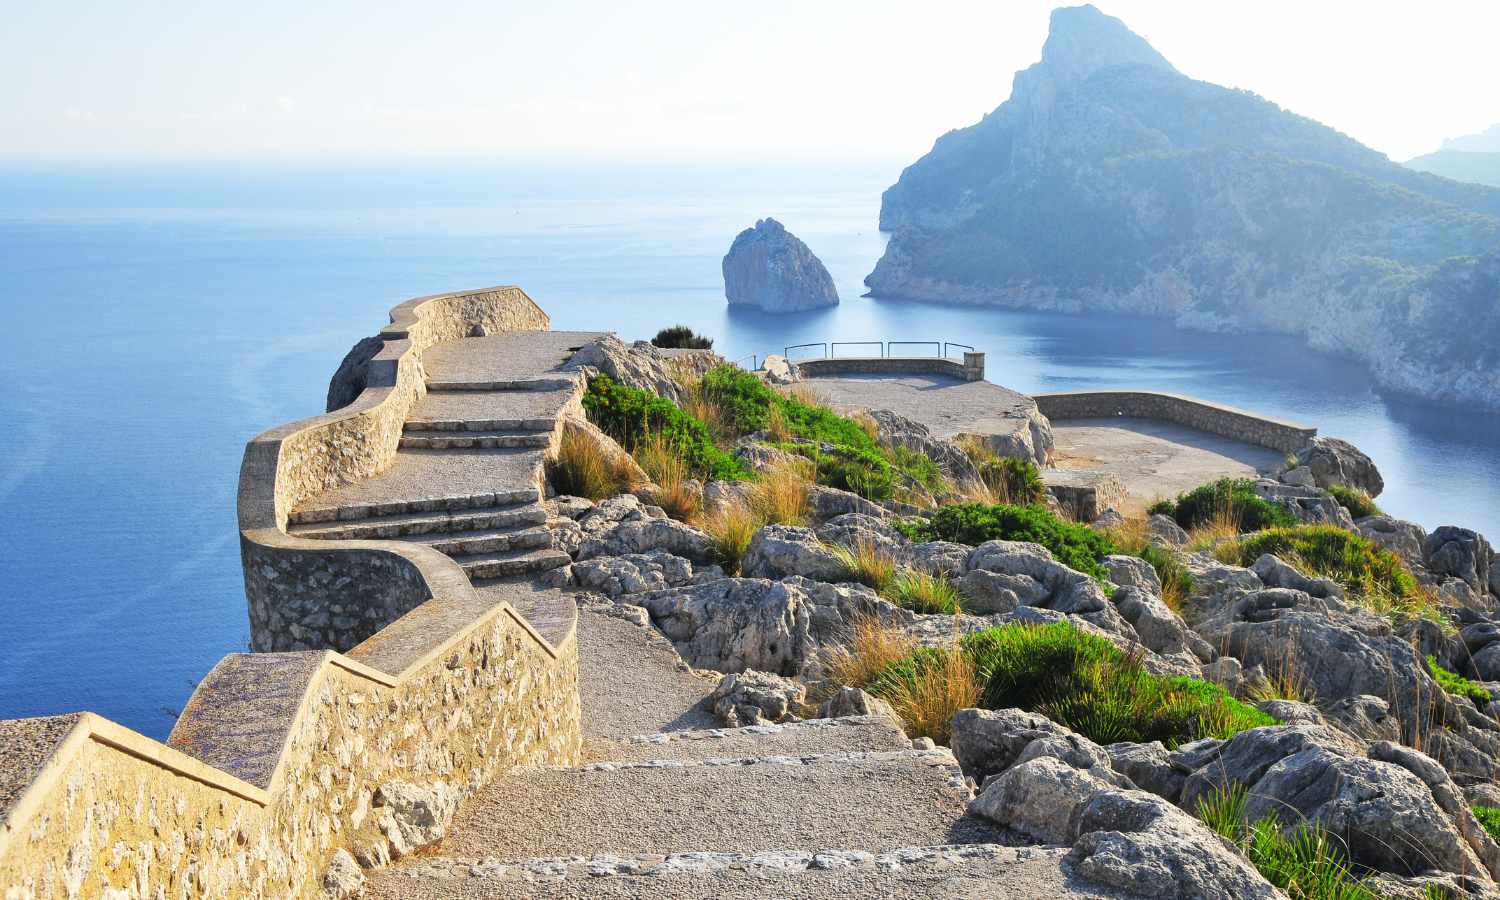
column 973, row 366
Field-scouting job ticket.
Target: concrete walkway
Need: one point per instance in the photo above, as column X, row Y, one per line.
column 1153, row 460
column 947, row 406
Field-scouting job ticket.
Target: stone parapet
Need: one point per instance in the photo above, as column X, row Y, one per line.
column 1225, row 421
column 893, row 365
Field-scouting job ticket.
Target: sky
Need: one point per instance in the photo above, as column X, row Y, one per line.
column 281, row 80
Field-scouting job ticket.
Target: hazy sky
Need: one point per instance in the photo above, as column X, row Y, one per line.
column 302, row 78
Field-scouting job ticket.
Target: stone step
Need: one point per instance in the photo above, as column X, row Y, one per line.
column 813, row 736
column 467, row 439
column 487, row 500
column 485, row 424
column 396, row 527
column 511, row 562
column 946, row 870
column 461, row 543
column 878, row 801
column 515, row 384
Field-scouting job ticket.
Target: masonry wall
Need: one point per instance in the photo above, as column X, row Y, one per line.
column 1213, row 418
column 888, row 365
column 118, row 812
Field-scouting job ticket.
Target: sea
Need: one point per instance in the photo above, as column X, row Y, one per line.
column 159, row 316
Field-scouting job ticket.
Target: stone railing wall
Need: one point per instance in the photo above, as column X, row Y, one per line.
column 365, row 584
column 280, row 760
column 1213, row 418
column 970, row 368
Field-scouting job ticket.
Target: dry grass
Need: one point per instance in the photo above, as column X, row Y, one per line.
column 698, row 404
column 928, row 702
column 1131, row 536
column 1217, row 533
column 583, row 469
column 872, row 647
column 807, row 395
column 867, row 424
column 780, row 496
column 866, row 562
column 777, row 427
column 664, row 465
column 730, row 528
column 1283, row 681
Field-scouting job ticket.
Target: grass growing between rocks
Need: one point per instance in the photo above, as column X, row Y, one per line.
column 1228, row 498
column 1456, row 684
column 1134, row 537
column 873, row 646
column 1075, row 546
column 1357, row 502
column 1371, row 575
column 911, row 589
column 730, row 528
column 1307, row 862
column 1078, row 680
column 665, row 466
column 1489, row 818
column 632, row 417
column 582, row 469
column 1003, row 479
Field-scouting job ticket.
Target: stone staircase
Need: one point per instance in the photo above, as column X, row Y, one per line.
column 668, row 806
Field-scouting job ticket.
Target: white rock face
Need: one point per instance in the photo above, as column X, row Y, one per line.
column 769, row 268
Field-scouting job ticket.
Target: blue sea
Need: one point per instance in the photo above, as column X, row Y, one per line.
column 160, row 317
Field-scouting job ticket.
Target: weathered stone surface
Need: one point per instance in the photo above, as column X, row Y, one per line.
column 1334, row 461
column 1003, row 575
column 755, row 698
column 413, row 815
column 1313, row 506
column 1167, row 530
column 825, row 503
column 780, row 370
column 640, row 365
column 1367, row 717
column 769, row 268
column 735, row 624
column 645, row 535
column 989, row 741
column 1274, row 573
column 1159, row 629
column 1301, row 476
column 940, row 557
column 1149, row 767
column 1405, row 539
column 777, row 551
column 852, row 701
column 1132, row 571
column 1461, row 553
column 615, row 576
column 606, row 447
column 1038, row 798
column 353, row 373
column 343, row 878
column 899, row 431
column 760, row 457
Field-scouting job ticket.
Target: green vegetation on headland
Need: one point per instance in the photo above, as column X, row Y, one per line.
column 1075, row 546
column 1228, row 500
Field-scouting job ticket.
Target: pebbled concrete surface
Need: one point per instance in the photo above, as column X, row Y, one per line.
column 946, row 406
column 427, row 474
column 791, row 739
column 631, row 681
column 515, row 356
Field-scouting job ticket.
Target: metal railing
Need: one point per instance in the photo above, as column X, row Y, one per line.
column 753, row 357
column 883, row 349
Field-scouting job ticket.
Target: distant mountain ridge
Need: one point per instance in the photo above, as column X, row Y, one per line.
column 1110, row 181
column 1486, row 141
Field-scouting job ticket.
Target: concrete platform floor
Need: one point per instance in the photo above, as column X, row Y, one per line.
column 947, row 406
column 1152, row 459
column 515, row 355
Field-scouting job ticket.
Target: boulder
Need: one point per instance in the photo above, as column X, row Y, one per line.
column 1166, row 529
column 1003, row 575
column 1461, row 553
column 1311, row 506
column 1149, row 767
column 825, row 503
column 780, row 370
column 645, row 535
column 769, row 268
column 1160, row 629
column 734, row 624
column 898, row 431
column 413, row 816
column 1038, row 798
column 851, row 701
column 756, row 698
column 1366, row 717
column 571, row 507
column 718, row 493
column 1301, row 476
column 343, row 878
column 1334, row 461
column 1132, row 572
column 758, row 457
column 350, row 379
column 940, row 557
column 1274, row 573
column 1405, row 539
column 615, row 576
column 777, row 551
column 640, row 365
column 989, row 741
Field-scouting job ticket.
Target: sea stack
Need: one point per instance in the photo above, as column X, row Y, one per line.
column 769, row 268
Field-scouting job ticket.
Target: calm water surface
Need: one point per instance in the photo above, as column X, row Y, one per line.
column 159, row 319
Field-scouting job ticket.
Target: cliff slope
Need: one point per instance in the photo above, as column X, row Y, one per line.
column 1110, row 181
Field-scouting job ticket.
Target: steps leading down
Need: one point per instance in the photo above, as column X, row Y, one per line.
column 669, row 806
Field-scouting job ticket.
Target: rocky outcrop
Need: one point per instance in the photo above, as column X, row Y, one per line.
column 1332, row 461
column 756, row 698
column 769, row 268
column 349, row 380
column 641, row 365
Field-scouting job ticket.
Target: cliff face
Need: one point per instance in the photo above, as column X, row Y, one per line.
column 1110, row 181
column 770, row 268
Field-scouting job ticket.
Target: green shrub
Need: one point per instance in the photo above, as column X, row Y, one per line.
column 1015, row 481
column 1372, row 575
column 853, row 469
column 630, row 416
column 1176, row 583
column 681, row 337
column 1306, row 861
column 1075, row 546
column 1084, row 682
column 1355, row 500
column 1489, row 818
column 1232, row 498
column 1456, row 684
column 923, row 592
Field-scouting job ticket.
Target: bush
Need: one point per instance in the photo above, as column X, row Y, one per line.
column 630, row 416
column 582, row 470
column 1456, row 684
column 1083, row 682
column 1234, row 498
column 1075, row 546
column 1307, row 862
column 852, row 469
column 681, row 337
column 1372, row 575
column 1355, row 500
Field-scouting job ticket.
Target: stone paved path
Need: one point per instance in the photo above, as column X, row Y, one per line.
column 947, row 406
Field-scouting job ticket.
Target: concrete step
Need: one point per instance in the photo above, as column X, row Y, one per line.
column 501, row 540
column 813, row 736
column 514, row 384
column 485, row 425
column 398, row 526
column 877, row 801
column 511, row 562
column 945, row 871
column 355, row 512
column 465, row 440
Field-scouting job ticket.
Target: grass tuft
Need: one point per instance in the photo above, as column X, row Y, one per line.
column 873, row 647
column 924, row 592
column 1456, row 684
column 1359, row 503
column 1232, row 499
column 730, row 528
column 865, row 562
column 780, row 497
column 927, row 701
column 1076, row 546
column 582, row 469
column 664, row 465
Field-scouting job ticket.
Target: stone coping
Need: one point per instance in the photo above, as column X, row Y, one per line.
column 876, row 365
column 1204, row 415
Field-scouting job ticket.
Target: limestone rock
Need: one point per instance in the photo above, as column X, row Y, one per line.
column 413, row 815
column 606, row 446
column 1038, row 798
column 615, row 576
column 349, row 380
column 825, row 503
column 755, row 698
column 1167, row 530
column 760, row 457
column 777, row 551
column 1311, row 505
column 1150, row 767
column 1461, row 553
column 640, row 365
column 940, row 557
column 1159, row 628
column 1405, row 539
column 644, row 535
column 343, row 878
column 1274, row 573
column 780, row 370
column 1132, row 571
column 734, row 624
column 852, row 701
column 989, row 741
column 898, row 431
column 769, row 268
column 1334, row 461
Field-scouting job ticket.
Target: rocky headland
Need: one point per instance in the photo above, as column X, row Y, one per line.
column 770, row 268
column 1110, row 181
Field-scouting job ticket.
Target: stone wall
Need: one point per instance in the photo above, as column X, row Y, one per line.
column 1213, row 418
column 276, row 763
column 970, row 369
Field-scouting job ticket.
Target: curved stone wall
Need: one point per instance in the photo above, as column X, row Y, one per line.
column 1213, row 418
